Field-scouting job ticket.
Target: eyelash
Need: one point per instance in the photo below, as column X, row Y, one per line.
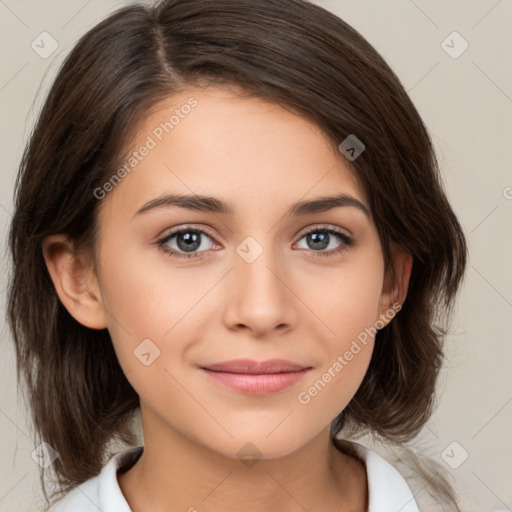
column 346, row 241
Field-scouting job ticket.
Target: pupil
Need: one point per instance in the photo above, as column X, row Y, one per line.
column 188, row 241
column 318, row 240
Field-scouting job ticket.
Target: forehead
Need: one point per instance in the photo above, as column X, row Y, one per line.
column 219, row 142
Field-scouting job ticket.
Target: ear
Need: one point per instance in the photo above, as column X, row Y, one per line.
column 75, row 282
column 396, row 283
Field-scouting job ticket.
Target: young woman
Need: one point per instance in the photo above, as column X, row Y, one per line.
column 230, row 218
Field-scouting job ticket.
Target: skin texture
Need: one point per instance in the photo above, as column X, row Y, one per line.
column 287, row 304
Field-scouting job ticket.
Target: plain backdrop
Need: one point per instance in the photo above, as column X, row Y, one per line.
column 465, row 97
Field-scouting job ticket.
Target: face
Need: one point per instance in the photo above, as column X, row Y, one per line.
column 242, row 276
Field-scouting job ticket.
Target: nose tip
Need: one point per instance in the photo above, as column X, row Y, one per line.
column 260, row 302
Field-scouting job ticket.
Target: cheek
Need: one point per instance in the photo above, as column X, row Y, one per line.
column 335, row 384
column 145, row 308
column 143, row 293
column 158, row 313
column 345, row 299
column 348, row 306
column 344, row 363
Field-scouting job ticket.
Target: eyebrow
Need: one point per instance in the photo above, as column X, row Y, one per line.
column 214, row 205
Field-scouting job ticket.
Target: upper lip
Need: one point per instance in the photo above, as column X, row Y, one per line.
column 249, row 366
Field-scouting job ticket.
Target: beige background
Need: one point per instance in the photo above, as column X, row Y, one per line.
column 466, row 103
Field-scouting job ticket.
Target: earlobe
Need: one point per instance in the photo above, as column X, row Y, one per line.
column 396, row 284
column 74, row 281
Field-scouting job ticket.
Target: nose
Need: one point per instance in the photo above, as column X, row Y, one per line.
column 259, row 296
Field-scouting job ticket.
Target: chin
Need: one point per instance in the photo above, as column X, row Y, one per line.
column 256, row 445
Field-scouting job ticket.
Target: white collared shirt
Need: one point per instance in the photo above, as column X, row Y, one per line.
column 387, row 489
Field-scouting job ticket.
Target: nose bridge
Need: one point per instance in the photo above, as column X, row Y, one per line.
column 258, row 263
column 261, row 300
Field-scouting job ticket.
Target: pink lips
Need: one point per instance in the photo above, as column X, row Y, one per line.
column 256, row 377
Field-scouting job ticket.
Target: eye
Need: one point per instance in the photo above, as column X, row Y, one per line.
column 188, row 241
column 322, row 237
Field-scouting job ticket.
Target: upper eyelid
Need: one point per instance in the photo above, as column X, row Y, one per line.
column 303, row 232
column 327, row 227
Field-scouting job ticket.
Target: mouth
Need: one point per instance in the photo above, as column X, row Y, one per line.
column 256, row 377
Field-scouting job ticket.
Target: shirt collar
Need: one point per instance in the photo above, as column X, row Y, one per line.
column 387, row 489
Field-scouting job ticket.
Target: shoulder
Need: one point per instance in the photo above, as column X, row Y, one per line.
column 101, row 492
column 387, row 489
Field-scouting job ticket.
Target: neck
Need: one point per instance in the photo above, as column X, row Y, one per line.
column 174, row 473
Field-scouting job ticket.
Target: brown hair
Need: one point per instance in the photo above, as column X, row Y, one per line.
column 296, row 54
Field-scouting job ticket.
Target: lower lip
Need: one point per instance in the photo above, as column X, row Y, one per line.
column 259, row 384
